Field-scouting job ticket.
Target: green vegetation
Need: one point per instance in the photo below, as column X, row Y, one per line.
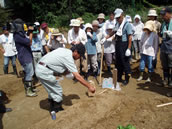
column 59, row 12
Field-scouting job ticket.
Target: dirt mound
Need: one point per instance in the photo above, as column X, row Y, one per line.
column 109, row 110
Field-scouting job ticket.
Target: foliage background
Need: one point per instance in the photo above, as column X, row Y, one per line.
column 59, row 12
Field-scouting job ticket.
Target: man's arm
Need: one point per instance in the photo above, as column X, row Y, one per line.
column 129, row 41
column 83, row 82
column 2, row 50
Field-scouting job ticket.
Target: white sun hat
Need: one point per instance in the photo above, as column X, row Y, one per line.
column 88, row 25
column 152, row 12
column 37, row 23
column 128, row 18
column 101, row 16
column 110, row 27
column 75, row 22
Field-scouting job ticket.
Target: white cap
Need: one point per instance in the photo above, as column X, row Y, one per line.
column 88, row 25
column 128, row 18
column 118, row 12
column 110, row 27
column 37, row 23
column 152, row 12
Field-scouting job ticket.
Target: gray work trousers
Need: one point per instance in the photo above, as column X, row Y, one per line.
column 49, row 82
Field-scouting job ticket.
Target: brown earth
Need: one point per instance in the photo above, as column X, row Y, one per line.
column 135, row 104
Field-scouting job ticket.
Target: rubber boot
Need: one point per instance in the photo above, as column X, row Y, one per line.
column 126, row 81
column 28, row 88
column 149, row 77
column 85, row 76
column 109, row 69
column 15, row 70
column 140, row 77
column 166, row 75
column 5, row 70
column 170, row 80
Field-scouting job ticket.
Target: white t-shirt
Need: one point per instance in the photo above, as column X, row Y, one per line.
column 8, row 44
column 60, row 60
column 80, row 37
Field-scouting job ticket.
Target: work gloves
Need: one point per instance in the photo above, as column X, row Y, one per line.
column 128, row 52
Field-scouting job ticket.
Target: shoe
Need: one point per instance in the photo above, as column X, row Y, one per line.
column 170, row 85
column 75, row 80
column 149, row 78
column 30, row 93
column 8, row 109
column 165, row 81
column 140, row 77
column 109, row 70
column 126, row 81
column 55, row 106
column 169, row 94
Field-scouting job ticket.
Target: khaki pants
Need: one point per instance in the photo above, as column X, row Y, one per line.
column 81, row 64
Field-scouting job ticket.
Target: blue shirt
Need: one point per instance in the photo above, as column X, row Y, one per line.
column 36, row 43
column 91, row 44
column 126, row 31
column 23, row 47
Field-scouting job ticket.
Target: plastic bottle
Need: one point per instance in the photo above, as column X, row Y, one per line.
column 53, row 115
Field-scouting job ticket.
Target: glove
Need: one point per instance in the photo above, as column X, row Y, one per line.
column 103, row 40
column 169, row 33
column 109, row 39
column 128, row 52
column 70, row 76
column 89, row 34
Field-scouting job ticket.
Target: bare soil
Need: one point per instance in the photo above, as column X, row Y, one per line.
column 135, row 104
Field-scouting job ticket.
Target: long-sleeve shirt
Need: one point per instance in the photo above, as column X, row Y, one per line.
column 23, row 48
column 98, row 43
column 54, row 44
column 149, row 48
column 79, row 37
column 91, row 44
column 138, row 30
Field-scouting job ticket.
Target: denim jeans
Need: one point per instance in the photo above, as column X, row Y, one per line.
column 28, row 69
column 146, row 59
column 6, row 62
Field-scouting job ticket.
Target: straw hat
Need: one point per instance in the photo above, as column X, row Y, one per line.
column 81, row 20
column 88, row 25
column 75, row 22
column 150, row 25
column 152, row 12
column 56, row 32
column 95, row 22
column 101, row 16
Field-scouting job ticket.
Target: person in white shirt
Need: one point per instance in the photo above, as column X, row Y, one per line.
column 109, row 48
column 99, row 34
column 101, row 19
column 148, row 49
column 9, row 49
column 76, row 36
column 137, row 35
column 110, row 21
column 57, row 40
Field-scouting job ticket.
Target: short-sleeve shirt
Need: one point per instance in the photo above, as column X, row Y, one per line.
column 127, row 30
column 60, row 60
column 8, row 44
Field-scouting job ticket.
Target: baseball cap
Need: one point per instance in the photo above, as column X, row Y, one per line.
column 118, row 12
column 80, row 48
column 44, row 25
column 165, row 10
column 4, row 28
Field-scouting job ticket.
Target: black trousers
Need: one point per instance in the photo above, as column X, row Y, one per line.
column 122, row 62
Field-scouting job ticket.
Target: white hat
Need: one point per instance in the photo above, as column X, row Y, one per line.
column 81, row 20
column 95, row 22
column 110, row 27
column 137, row 16
column 118, row 12
column 150, row 25
column 37, row 23
column 128, row 18
column 71, row 22
column 152, row 12
column 88, row 25
column 75, row 22
column 101, row 16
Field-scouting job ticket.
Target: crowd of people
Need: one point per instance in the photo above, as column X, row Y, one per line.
column 42, row 53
